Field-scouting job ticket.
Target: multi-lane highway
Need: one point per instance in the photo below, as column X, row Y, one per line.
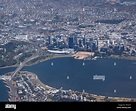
column 33, row 57
column 22, row 65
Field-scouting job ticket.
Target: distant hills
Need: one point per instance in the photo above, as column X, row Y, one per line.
column 83, row 2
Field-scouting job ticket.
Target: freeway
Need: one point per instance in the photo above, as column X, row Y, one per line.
column 22, row 65
column 13, row 90
column 33, row 57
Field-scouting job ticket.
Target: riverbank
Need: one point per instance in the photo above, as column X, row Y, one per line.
column 82, row 55
column 133, row 58
column 9, row 66
column 38, row 81
column 14, row 91
column 48, row 58
column 99, row 98
column 39, row 61
column 15, row 86
column 10, row 95
column 102, row 97
column 78, row 56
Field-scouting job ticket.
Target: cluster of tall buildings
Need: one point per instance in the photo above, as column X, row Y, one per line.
column 98, row 45
column 72, row 42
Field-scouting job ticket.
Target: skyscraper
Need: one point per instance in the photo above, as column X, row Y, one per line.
column 49, row 40
column 80, row 43
column 70, row 42
column 84, row 41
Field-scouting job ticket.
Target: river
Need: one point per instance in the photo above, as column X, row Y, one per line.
column 78, row 75
column 3, row 89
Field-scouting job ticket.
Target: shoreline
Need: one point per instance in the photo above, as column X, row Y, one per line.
column 94, row 95
column 122, row 58
column 12, row 66
column 99, row 98
column 131, row 58
column 37, row 62
column 38, row 80
column 102, row 96
column 8, row 89
column 44, row 85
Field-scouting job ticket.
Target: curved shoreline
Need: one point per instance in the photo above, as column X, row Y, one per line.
column 49, row 87
column 99, row 98
column 37, row 62
column 94, row 95
column 7, row 89
column 44, row 85
column 61, row 56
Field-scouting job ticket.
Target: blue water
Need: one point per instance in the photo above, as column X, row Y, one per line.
column 3, row 89
column 81, row 77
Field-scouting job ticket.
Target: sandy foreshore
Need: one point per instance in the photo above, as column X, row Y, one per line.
column 82, row 55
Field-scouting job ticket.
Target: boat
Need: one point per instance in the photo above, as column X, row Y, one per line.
column 115, row 64
column 130, row 77
column 67, row 77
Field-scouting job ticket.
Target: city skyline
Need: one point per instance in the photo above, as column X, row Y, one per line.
column 33, row 31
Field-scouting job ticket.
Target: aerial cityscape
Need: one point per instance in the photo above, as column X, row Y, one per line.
column 98, row 36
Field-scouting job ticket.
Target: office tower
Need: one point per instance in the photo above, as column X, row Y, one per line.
column 80, row 43
column 84, row 41
column 49, row 40
column 70, row 42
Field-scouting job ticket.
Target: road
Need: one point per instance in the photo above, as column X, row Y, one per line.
column 22, row 65
column 13, row 90
column 29, row 59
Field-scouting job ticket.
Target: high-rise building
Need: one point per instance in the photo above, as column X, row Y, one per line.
column 84, row 41
column 49, row 40
column 70, row 42
column 75, row 39
column 80, row 43
column 54, row 42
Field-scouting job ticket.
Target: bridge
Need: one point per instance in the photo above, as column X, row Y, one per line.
column 22, row 65
column 29, row 59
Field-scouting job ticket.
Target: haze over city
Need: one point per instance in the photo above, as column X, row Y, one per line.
column 33, row 32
